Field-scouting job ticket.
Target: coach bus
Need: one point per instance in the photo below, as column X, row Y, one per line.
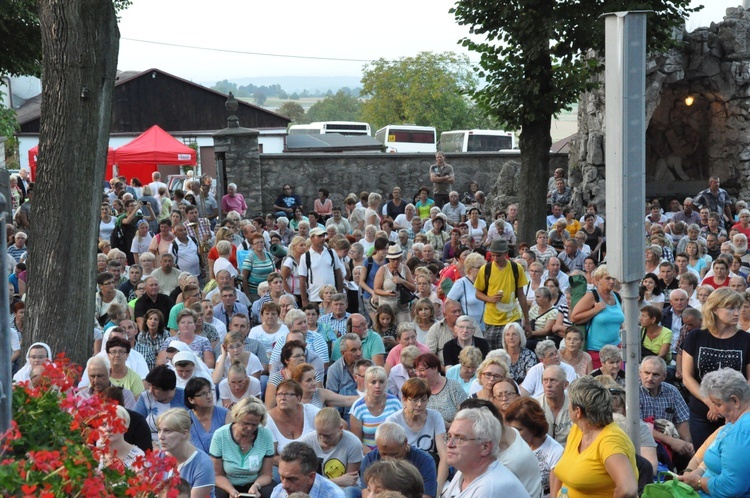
column 349, row 128
column 408, row 138
column 476, row 141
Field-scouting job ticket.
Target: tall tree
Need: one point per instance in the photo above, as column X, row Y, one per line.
column 428, row 89
column 339, row 107
column 80, row 43
column 534, row 63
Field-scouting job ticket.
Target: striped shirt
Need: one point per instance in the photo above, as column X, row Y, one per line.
column 371, row 422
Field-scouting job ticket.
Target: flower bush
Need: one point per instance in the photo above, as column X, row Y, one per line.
column 51, row 448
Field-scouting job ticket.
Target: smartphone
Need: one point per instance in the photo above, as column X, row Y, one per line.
column 247, row 495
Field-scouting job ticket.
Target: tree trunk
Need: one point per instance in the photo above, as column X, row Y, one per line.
column 80, row 43
column 532, row 188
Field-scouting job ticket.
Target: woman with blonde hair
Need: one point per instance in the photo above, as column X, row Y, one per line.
column 118, row 448
column 465, row 371
column 491, row 371
column 521, row 357
column 290, row 266
column 224, row 248
column 373, row 408
column 719, row 344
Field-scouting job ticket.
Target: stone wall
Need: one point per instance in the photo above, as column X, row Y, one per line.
column 342, row 174
column 685, row 144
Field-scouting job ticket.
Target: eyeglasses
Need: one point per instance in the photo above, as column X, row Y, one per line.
column 419, row 401
column 205, row 394
column 108, row 283
column 458, row 440
column 297, row 356
column 286, row 395
column 505, row 395
column 492, row 376
column 117, row 352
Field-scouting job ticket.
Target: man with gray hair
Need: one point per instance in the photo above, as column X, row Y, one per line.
column 660, row 400
column 97, row 371
column 454, row 210
column 473, row 449
column 548, row 355
column 340, row 378
column 393, row 445
column 297, row 471
column 554, row 402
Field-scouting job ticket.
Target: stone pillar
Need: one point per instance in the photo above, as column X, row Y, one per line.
column 238, row 160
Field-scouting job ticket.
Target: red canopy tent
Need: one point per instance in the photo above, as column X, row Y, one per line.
column 153, row 147
column 34, row 151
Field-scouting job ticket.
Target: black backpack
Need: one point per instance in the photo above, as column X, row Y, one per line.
column 488, row 271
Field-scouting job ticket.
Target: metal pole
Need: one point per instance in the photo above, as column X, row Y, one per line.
column 625, row 121
column 6, row 380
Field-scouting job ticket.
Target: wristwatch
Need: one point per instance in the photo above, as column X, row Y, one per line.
column 698, row 485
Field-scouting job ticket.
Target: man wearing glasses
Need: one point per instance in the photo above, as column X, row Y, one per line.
column 473, row 449
column 548, row 355
column 372, row 344
column 393, row 445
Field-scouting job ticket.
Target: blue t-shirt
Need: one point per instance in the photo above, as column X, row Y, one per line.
column 424, row 463
column 201, row 438
column 151, row 409
column 604, row 328
column 371, row 422
column 198, row 471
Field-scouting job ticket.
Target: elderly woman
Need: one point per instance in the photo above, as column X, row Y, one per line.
column 543, row 251
column 393, row 478
column 720, row 277
column 491, row 371
column 406, row 335
column 224, row 250
column 424, row 427
column 521, row 357
column 373, row 408
column 718, row 344
column 187, row 366
column 205, row 416
column 195, row 466
column 403, row 371
column 543, row 316
column 725, row 465
column 465, row 371
column 573, row 355
column 527, row 417
column 597, row 444
column 292, row 355
column 601, row 309
column 611, row 358
column 186, row 322
column 290, row 419
column 536, row 270
column 242, row 452
column 120, row 374
column 504, row 393
column 118, row 448
column 257, row 265
column 465, row 330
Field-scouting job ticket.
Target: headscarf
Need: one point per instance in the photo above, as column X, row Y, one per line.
column 201, row 370
column 24, row 374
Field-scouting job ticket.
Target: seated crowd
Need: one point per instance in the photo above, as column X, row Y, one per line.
column 393, row 348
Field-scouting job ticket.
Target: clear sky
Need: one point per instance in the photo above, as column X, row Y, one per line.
column 338, row 29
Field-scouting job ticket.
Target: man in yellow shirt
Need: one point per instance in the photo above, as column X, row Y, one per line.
column 500, row 285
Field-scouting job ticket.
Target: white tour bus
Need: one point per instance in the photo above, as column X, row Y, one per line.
column 323, row 127
column 476, row 141
column 408, row 138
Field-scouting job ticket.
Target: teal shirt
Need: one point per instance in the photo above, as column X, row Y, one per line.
column 372, row 345
column 241, row 468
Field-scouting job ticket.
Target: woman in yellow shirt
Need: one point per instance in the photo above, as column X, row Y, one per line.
column 597, row 444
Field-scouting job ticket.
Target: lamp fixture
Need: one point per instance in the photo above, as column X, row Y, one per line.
column 689, row 100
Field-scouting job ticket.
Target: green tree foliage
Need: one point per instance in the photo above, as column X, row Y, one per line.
column 226, row 86
column 294, row 96
column 21, row 38
column 260, row 98
column 428, row 89
column 533, row 59
column 293, row 111
column 339, row 107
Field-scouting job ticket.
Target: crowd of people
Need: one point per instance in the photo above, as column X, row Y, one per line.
column 394, row 347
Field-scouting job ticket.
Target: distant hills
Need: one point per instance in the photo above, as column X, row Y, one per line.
column 312, row 84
